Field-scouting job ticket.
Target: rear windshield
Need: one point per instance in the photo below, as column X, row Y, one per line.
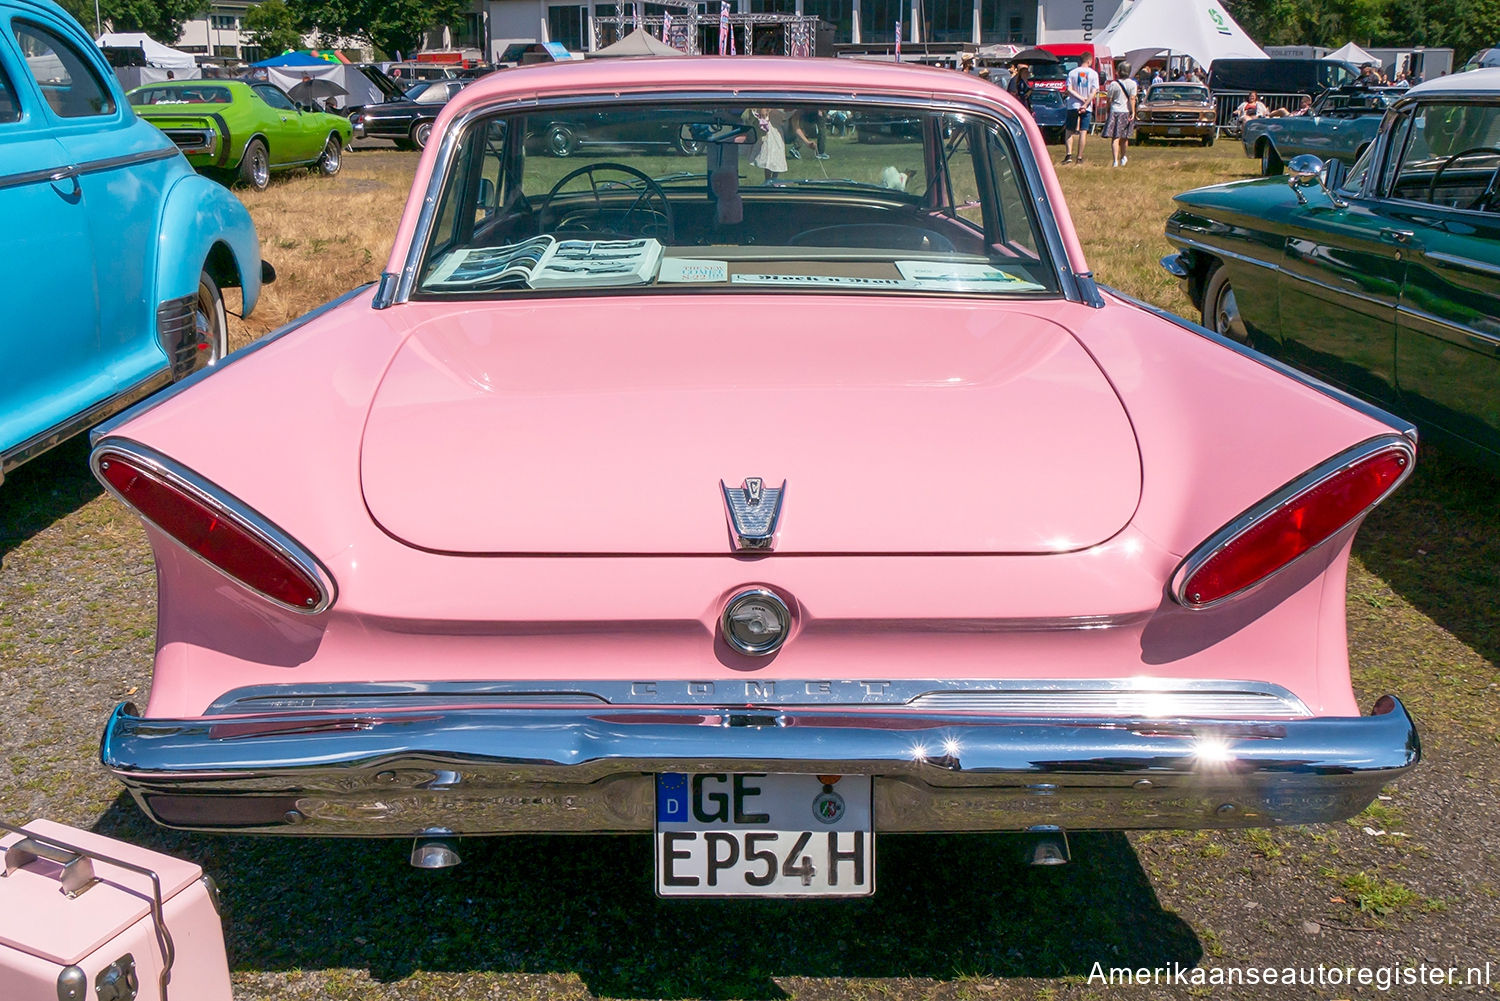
column 1057, row 71
column 143, row 96
column 797, row 197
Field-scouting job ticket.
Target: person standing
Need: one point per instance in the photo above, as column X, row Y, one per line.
column 1120, row 127
column 1020, row 85
column 1083, row 86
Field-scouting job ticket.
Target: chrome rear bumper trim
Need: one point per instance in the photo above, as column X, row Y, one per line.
column 589, row 769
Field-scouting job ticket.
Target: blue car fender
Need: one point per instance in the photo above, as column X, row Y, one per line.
column 204, row 226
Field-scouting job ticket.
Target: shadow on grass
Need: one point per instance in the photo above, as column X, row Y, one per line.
column 1437, row 544
column 38, row 493
column 946, row 906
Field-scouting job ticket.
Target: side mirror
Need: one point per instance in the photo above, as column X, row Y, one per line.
column 1307, row 170
column 486, row 193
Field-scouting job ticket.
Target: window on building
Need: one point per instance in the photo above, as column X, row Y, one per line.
column 1010, row 21
column 568, row 24
column 224, row 22
column 227, row 51
column 839, row 13
column 773, row 6
column 468, row 31
column 951, row 21
column 877, row 20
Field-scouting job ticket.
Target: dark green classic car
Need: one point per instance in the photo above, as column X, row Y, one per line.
column 1384, row 279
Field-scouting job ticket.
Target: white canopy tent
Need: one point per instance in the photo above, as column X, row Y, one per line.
column 1352, row 53
column 1202, row 29
column 638, row 43
column 158, row 55
column 358, row 88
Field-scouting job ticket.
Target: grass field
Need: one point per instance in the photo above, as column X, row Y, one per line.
column 1414, row 880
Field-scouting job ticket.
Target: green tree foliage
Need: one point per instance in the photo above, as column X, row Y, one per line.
column 161, row 19
column 273, row 26
column 391, row 26
column 1463, row 25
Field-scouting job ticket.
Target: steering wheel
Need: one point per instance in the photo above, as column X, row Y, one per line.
column 660, row 224
column 1489, row 189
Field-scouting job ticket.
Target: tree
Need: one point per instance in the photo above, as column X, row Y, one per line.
column 161, row 19
column 273, row 27
column 391, row 26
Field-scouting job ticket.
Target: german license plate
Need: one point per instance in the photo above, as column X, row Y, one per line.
column 1174, row 130
column 757, row 835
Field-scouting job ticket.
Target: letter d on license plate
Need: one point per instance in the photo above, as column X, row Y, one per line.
column 756, row 835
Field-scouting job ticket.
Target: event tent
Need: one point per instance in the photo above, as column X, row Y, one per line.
column 1353, row 54
column 1202, row 29
column 360, row 89
column 157, row 54
column 638, row 43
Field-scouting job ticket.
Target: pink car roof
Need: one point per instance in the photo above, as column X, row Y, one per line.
column 845, row 78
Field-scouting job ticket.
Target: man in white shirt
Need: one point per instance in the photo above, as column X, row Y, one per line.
column 1083, row 84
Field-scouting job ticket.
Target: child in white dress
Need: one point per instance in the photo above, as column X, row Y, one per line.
column 770, row 151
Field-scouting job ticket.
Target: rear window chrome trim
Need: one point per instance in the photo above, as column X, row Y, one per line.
column 1073, row 287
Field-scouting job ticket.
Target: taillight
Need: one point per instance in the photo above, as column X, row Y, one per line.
column 1292, row 522
column 214, row 526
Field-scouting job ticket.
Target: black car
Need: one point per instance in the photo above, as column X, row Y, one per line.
column 599, row 130
column 408, row 121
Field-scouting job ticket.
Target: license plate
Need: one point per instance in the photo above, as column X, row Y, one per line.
column 758, row 835
column 1175, row 130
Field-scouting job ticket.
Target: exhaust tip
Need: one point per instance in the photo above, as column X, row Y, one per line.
column 1047, row 846
column 434, row 851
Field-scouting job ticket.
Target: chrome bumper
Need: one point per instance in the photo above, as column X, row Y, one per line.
column 590, row 770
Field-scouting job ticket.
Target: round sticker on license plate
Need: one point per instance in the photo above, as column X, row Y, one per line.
column 758, row 835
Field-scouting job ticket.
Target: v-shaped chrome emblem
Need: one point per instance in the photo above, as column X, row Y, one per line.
column 754, row 510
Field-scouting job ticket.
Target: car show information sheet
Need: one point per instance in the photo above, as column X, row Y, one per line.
column 546, row 262
column 747, row 835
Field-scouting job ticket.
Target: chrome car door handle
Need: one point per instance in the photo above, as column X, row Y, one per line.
column 69, row 173
column 1402, row 236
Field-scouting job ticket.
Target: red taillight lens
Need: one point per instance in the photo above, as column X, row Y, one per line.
column 1307, row 516
column 223, row 538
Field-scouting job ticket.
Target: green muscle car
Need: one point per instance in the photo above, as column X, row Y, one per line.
column 1385, row 279
column 236, row 130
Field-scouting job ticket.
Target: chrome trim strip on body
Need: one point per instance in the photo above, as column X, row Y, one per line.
column 56, row 435
column 1137, row 696
column 1487, row 268
column 46, row 175
column 1454, row 333
column 1209, row 248
column 226, row 505
column 203, row 373
column 1399, row 424
column 1342, row 293
column 591, row 770
column 405, row 280
column 128, row 160
column 1308, row 481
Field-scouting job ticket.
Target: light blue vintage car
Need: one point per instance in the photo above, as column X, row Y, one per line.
column 115, row 248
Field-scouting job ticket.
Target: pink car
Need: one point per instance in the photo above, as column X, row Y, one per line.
column 789, row 486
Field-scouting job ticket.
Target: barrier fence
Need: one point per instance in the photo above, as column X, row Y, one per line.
column 1226, row 101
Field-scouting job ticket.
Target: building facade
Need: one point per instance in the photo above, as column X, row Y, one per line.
column 867, row 22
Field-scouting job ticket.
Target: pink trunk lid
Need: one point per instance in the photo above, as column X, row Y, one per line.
column 598, row 425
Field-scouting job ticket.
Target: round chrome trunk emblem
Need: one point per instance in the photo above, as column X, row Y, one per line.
column 756, row 622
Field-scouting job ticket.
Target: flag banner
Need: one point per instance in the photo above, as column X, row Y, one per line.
column 723, row 27
column 898, row 41
column 666, row 27
column 637, row 16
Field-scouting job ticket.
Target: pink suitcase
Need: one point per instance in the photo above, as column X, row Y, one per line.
column 87, row 918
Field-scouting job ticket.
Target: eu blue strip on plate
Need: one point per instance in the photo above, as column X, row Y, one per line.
column 671, row 797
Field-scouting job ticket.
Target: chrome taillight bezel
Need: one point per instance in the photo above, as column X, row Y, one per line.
column 1287, row 494
column 226, row 505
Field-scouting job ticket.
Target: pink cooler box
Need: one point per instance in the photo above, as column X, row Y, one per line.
column 87, row 918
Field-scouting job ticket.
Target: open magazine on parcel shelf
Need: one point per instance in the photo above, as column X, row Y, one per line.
column 546, row 262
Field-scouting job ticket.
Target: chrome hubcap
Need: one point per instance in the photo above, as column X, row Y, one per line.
column 423, row 132
column 1227, row 319
column 331, row 156
column 203, row 328
column 260, row 169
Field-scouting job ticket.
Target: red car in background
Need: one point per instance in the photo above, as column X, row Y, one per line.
column 1054, row 76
